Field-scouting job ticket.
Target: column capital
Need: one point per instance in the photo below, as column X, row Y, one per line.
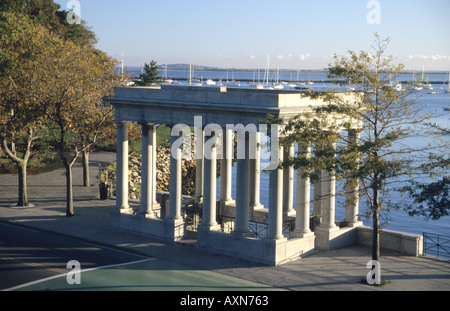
column 143, row 122
column 121, row 122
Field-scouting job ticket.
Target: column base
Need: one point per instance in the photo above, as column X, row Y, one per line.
column 243, row 234
column 256, row 206
column 325, row 237
column 276, row 240
column 227, row 202
column 290, row 213
column 126, row 210
column 323, row 228
column 198, row 198
column 174, row 229
column 156, row 205
column 301, row 235
column 147, row 215
column 352, row 224
column 215, row 227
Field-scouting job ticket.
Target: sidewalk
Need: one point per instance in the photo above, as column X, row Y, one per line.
column 334, row 270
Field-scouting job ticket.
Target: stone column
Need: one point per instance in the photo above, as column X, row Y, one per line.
column 328, row 194
column 302, row 205
column 327, row 231
column 174, row 225
column 352, row 187
column 255, row 175
column 154, row 168
column 175, row 182
column 242, row 192
column 288, row 183
column 276, row 200
column 209, row 199
column 122, row 167
column 317, row 203
column 226, row 166
column 199, row 166
column 147, row 184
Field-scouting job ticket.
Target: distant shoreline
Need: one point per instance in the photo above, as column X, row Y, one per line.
column 209, row 68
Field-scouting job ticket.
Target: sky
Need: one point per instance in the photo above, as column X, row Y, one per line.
column 296, row 34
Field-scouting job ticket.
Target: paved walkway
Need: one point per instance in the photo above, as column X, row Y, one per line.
column 341, row 269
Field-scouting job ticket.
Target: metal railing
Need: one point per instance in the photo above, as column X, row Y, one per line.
column 193, row 216
column 436, row 244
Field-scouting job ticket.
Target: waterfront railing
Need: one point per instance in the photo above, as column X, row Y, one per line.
column 436, row 245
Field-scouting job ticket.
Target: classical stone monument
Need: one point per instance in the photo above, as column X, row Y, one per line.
column 220, row 113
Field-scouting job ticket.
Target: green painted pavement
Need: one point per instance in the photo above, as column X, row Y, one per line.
column 151, row 275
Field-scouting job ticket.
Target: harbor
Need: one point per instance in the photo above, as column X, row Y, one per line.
column 431, row 82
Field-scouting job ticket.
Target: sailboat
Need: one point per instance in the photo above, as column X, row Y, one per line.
column 166, row 80
column 210, row 82
column 265, row 84
column 191, row 82
column 447, row 90
column 425, row 83
column 277, row 85
column 417, row 87
column 428, row 86
column 300, row 85
column 309, row 79
column 232, row 83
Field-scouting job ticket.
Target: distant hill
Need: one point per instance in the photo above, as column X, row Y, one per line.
column 201, row 67
column 186, row 67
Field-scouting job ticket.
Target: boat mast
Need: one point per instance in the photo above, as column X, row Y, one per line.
column 190, row 74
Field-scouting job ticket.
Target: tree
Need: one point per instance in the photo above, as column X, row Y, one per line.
column 430, row 199
column 81, row 77
column 49, row 14
column 42, row 12
column 50, row 69
column 151, row 76
column 25, row 45
column 383, row 155
column 101, row 117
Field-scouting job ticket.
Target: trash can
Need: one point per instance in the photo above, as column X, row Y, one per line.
column 104, row 191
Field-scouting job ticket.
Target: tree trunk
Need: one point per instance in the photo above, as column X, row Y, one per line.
column 69, row 191
column 376, row 226
column 22, row 168
column 22, row 173
column 85, row 160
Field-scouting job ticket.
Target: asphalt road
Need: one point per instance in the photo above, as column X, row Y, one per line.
column 34, row 260
column 28, row 255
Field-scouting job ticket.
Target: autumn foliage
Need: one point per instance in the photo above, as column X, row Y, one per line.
column 50, row 85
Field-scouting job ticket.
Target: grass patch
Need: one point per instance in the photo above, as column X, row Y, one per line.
column 383, row 283
column 163, row 135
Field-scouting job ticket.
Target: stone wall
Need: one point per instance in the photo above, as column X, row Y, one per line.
column 162, row 171
column 162, row 174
